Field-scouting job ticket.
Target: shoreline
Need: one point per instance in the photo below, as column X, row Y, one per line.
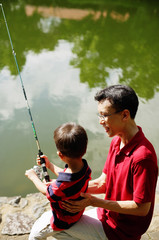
column 17, row 215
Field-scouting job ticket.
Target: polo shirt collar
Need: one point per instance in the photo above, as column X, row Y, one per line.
column 69, row 177
column 130, row 146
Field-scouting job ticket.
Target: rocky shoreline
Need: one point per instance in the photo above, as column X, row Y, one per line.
column 18, row 214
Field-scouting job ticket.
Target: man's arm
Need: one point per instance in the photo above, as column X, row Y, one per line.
column 124, row 207
column 98, row 185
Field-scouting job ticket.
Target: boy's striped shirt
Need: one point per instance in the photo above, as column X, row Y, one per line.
column 67, row 186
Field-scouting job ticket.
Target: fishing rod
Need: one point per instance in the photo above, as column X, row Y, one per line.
column 42, row 160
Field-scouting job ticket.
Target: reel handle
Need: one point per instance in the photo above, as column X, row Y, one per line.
column 42, row 161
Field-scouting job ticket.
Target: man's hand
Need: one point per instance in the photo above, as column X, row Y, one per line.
column 77, row 206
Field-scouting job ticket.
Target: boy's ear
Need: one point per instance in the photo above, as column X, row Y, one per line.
column 60, row 154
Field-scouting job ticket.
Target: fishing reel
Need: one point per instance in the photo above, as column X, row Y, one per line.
column 39, row 172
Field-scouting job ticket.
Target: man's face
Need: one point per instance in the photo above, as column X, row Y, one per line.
column 111, row 120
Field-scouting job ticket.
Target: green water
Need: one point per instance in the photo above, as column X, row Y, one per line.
column 67, row 51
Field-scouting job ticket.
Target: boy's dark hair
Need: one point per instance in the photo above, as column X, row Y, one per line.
column 71, row 140
column 121, row 97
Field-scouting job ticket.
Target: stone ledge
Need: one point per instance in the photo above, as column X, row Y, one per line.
column 21, row 213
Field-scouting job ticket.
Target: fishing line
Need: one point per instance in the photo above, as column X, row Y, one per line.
column 46, row 176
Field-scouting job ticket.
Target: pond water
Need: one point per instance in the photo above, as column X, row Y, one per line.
column 66, row 52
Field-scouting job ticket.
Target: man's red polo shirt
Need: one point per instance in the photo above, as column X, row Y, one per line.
column 131, row 175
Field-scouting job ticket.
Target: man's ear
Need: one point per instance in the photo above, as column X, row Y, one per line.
column 126, row 114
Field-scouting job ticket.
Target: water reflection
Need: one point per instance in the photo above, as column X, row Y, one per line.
column 10, row 96
column 74, row 13
column 62, row 13
column 65, row 55
column 57, row 81
column 114, row 37
column 55, row 95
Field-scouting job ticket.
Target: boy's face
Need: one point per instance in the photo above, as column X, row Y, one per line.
column 110, row 119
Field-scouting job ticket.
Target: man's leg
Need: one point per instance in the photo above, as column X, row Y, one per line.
column 87, row 228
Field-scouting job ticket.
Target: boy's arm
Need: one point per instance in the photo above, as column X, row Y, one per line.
column 37, row 182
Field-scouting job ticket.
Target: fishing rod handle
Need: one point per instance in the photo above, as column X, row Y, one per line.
column 43, row 165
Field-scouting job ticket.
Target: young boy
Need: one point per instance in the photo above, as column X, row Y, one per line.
column 71, row 142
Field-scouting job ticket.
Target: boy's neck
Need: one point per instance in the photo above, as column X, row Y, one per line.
column 74, row 165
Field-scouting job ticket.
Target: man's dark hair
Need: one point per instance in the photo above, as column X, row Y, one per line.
column 71, row 140
column 121, row 97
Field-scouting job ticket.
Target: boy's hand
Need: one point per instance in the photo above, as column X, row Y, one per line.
column 37, row 182
column 48, row 183
column 30, row 174
column 47, row 162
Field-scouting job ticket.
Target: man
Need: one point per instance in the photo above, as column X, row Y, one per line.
column 128, row 179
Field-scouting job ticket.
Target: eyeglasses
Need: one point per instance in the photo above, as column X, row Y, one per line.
column 102, row 117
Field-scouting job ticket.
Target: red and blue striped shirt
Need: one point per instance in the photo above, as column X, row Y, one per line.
column 67, row 186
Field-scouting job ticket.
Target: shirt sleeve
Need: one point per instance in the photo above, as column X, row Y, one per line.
column 144, row 181
column 53, row 193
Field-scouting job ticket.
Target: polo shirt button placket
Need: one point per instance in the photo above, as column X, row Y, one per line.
column 118, row 159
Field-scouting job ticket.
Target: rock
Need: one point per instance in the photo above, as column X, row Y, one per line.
column 47, row 203
column 154, row 235
column 17, row 223
column 36, row 196
column 156, row 209
column 14, row 201
column 38, row 210
column 3, row 200
column 23, row 203
column 157, row 187
column 23, row 212
column 154, row 226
